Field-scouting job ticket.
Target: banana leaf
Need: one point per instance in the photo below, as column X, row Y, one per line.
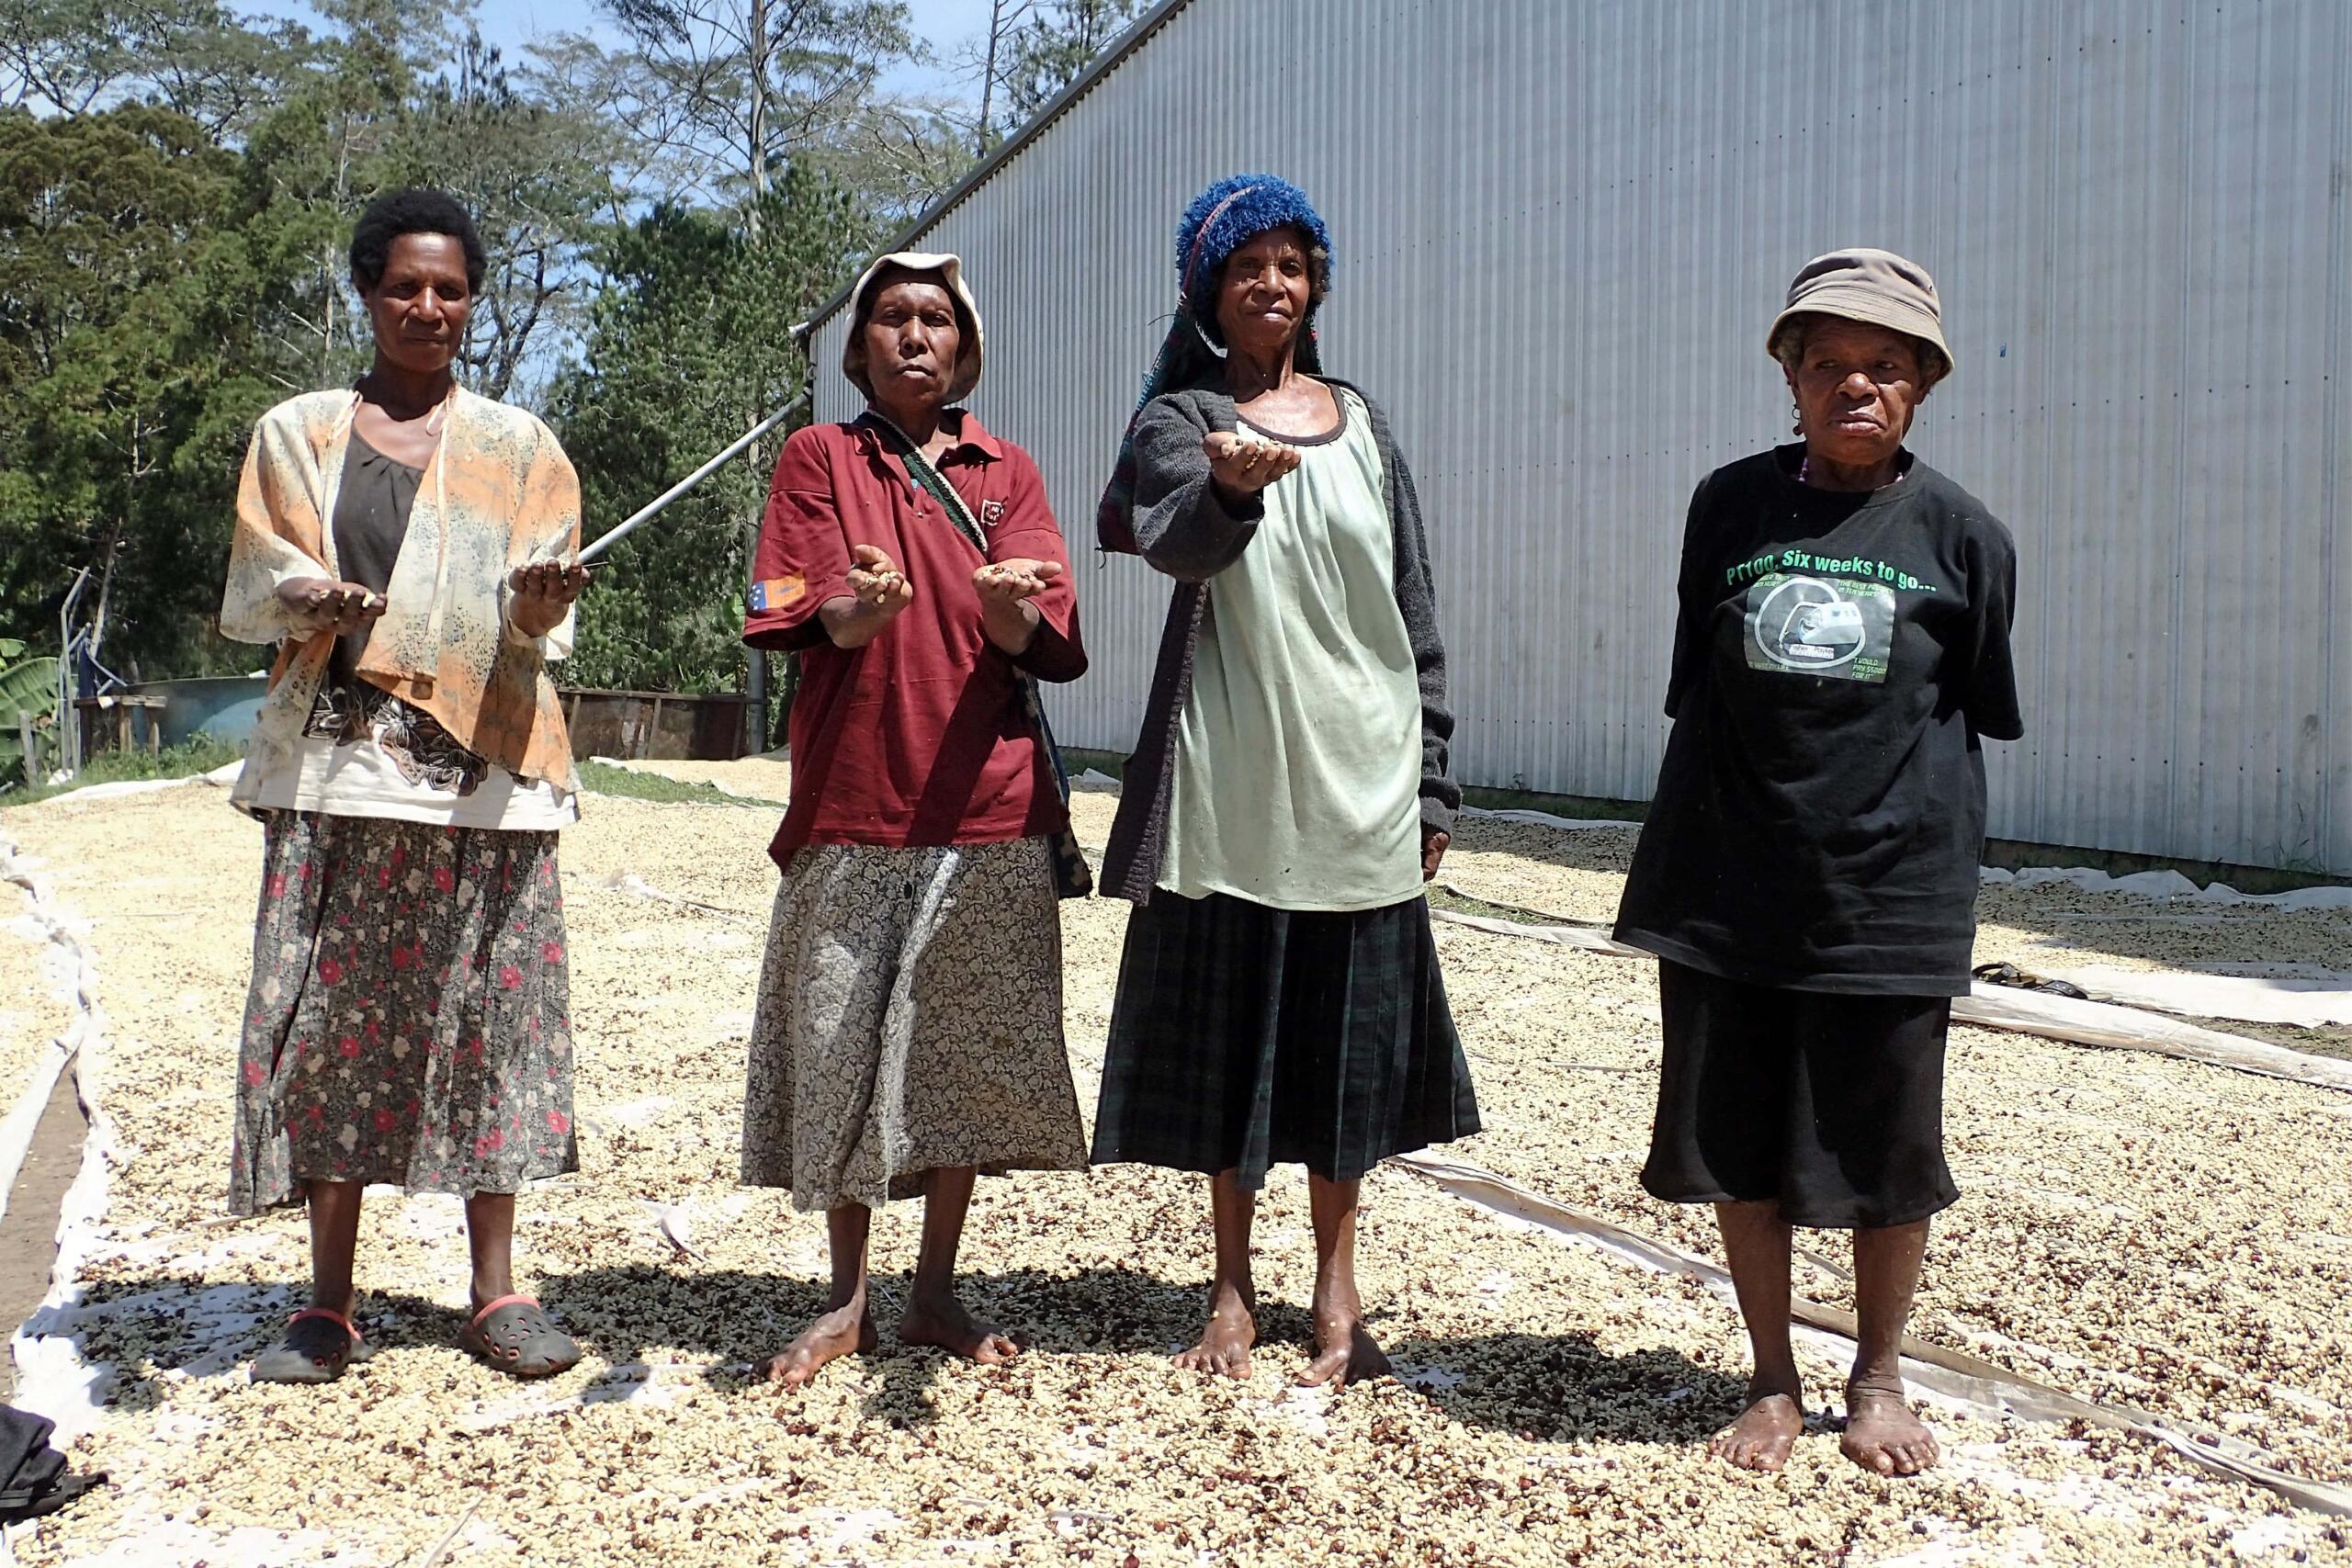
column 26, row 688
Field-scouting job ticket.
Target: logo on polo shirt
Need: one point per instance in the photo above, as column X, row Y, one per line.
column 775, row 593
column 992, row 513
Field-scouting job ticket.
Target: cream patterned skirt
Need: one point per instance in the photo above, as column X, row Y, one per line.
column 910, row 1018
column 410, row 1016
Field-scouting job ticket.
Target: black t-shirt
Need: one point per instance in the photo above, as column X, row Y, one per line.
column 1820, row 813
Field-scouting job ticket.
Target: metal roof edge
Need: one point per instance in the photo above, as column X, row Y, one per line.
column 1109, row 59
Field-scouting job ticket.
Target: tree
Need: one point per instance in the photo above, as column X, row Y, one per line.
column 691, row 343
column 534, row 173
column 126, row 383
column 727, row 92
column 332, row 141
column 1036, row 48
column 901, row 157
column 396, row 98
column 191, row 56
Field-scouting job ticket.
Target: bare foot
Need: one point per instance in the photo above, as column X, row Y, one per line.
column 1225, row 1344
column 1344, row 1353
column 1882, row 1435
column 1765, row 1434
column 943, row 1322
column 834, row 1334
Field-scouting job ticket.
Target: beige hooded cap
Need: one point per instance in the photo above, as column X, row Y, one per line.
column 949, row 267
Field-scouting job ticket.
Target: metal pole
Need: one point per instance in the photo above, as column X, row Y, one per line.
column 591, row 551
column 69, row 737
column 755, row 713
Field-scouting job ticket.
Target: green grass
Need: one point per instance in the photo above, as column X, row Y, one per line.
column 605, row 779
column 199, row 754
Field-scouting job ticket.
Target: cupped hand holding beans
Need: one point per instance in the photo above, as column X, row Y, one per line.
column 877, row 583
column 1008, row 582
column 1243, row 464
column 317, row 604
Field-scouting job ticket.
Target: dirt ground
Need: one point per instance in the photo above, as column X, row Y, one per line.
column 2134, row 1228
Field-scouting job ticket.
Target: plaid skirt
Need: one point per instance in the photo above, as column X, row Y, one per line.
column 1246, row 1036
column 409, row 1019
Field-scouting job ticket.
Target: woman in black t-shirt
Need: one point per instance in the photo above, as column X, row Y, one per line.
column 1808, row 873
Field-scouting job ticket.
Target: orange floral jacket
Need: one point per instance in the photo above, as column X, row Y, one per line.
column 498, row 493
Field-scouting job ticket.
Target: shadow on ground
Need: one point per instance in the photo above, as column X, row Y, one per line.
column 1560, row 1388
column 1557, row 1388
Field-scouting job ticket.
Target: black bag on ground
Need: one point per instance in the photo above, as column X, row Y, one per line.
column 32, row 1474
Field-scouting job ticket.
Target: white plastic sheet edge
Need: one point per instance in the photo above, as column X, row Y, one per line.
column 2166, row 885
column 2302, row 1001
column 52, row 1378
column 2027, row 1012
column 24, row 1117
column 1970, row 1381
column 1546, row 819
column 2129, row 1029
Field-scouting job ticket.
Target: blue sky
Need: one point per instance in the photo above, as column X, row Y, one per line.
column 512, row 24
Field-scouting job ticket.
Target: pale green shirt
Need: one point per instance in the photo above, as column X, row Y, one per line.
column 1298, row 755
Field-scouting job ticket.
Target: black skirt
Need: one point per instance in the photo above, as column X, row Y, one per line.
column 1831, row 1107
column 1245, row 1037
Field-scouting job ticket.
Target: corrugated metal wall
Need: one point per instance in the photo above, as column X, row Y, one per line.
column 1562, row 230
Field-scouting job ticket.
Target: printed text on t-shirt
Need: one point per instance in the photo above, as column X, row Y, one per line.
column 1832, row 565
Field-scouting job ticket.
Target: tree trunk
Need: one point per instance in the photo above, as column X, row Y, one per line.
column 326, row 254
column 106, row 589
column 757, row 45
column 987, row 77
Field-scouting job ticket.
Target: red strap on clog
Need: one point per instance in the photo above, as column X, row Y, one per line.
column 504, row 1301
column 332, row 1316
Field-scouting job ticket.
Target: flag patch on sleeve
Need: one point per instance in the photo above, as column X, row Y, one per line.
column 776, row 593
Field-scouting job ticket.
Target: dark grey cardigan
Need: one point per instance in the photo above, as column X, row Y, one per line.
column 1182, row 528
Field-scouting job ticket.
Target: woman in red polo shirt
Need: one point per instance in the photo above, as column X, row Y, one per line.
column 910, row 1023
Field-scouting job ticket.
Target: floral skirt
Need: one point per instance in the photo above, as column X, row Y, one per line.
column 410, row 1018
column 910, row 1019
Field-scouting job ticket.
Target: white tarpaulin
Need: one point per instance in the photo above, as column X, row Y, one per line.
column 2029, row 1012
column 2168, row 884
column 2306, row 1003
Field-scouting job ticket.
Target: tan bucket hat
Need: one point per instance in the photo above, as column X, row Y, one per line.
column 1865, row 285
column 949, row 267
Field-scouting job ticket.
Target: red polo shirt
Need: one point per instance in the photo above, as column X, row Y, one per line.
column 920, row 737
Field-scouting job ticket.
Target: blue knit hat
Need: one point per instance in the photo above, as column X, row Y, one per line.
column 1220, row 221
column 1223, row 219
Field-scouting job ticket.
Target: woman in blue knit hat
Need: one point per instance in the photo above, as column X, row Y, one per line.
column 1289, row 794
